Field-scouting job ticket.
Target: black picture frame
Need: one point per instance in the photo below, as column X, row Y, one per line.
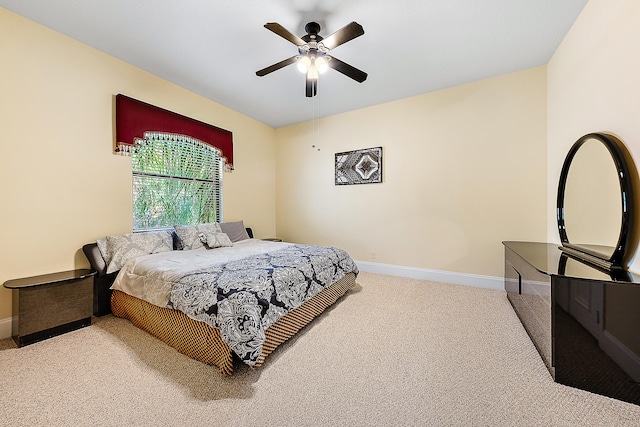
column 362, row 166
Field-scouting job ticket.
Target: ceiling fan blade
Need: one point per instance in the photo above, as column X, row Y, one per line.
column 347, row 69
column 343, row 35
column 277, row 66
column 284, row 33
column 312, row 87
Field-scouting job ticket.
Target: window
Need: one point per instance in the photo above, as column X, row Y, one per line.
column 176, row 180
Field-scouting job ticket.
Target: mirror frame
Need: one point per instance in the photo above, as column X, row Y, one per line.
column 623, row 163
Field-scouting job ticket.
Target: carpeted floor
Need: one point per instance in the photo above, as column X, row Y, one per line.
column 393, row 352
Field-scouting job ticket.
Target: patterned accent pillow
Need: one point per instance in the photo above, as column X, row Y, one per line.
column 217, row 240
column 117, row 250
column 193, row 236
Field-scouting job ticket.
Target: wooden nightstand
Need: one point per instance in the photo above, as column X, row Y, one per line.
column 51, row 304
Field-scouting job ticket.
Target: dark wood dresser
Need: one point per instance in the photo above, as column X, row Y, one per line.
column 585, row 322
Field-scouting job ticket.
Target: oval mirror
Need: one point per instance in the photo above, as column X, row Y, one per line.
column 596, row 201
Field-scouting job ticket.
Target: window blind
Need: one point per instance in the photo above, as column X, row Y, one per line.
column 176, row 180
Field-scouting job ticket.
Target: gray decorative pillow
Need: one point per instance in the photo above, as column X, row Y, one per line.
column 217, row 240
column 235, row 230
column 117, row 250
column 194, row 236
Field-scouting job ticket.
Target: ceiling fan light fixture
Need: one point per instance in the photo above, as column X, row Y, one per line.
column 321, row 64
column 312, row 74
column 304, row 64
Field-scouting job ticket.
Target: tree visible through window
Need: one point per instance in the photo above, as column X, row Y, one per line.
column 176, row 180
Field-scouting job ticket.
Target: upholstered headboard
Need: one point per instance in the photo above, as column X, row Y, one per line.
column 92, row 252
column 102, row 281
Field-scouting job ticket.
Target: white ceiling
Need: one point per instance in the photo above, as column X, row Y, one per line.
column 410, row 47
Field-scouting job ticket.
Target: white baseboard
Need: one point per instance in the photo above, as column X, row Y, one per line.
column 475, row 280
column 5, row 328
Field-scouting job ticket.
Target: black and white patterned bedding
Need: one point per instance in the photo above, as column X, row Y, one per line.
column 243, row 297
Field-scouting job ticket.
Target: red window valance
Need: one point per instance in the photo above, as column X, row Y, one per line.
column 134, row 118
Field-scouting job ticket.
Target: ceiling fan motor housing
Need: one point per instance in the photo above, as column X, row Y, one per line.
column 312, row 28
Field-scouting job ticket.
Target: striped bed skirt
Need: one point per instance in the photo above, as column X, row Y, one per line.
column 202, row 342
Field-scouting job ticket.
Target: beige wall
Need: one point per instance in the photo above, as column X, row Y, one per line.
column 594, row 85
column 464, row 169
column 61, row 185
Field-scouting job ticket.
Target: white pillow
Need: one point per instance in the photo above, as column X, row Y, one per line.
column 117, row 250
column 217, row 240
column 194, row 236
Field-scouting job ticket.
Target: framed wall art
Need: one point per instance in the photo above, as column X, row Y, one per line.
column 359, row 166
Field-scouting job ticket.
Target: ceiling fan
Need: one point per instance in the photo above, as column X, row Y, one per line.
column 312, row 57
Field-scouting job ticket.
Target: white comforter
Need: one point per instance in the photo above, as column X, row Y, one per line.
column 151, row 277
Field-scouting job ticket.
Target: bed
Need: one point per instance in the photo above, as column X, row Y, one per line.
column 213, row 292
